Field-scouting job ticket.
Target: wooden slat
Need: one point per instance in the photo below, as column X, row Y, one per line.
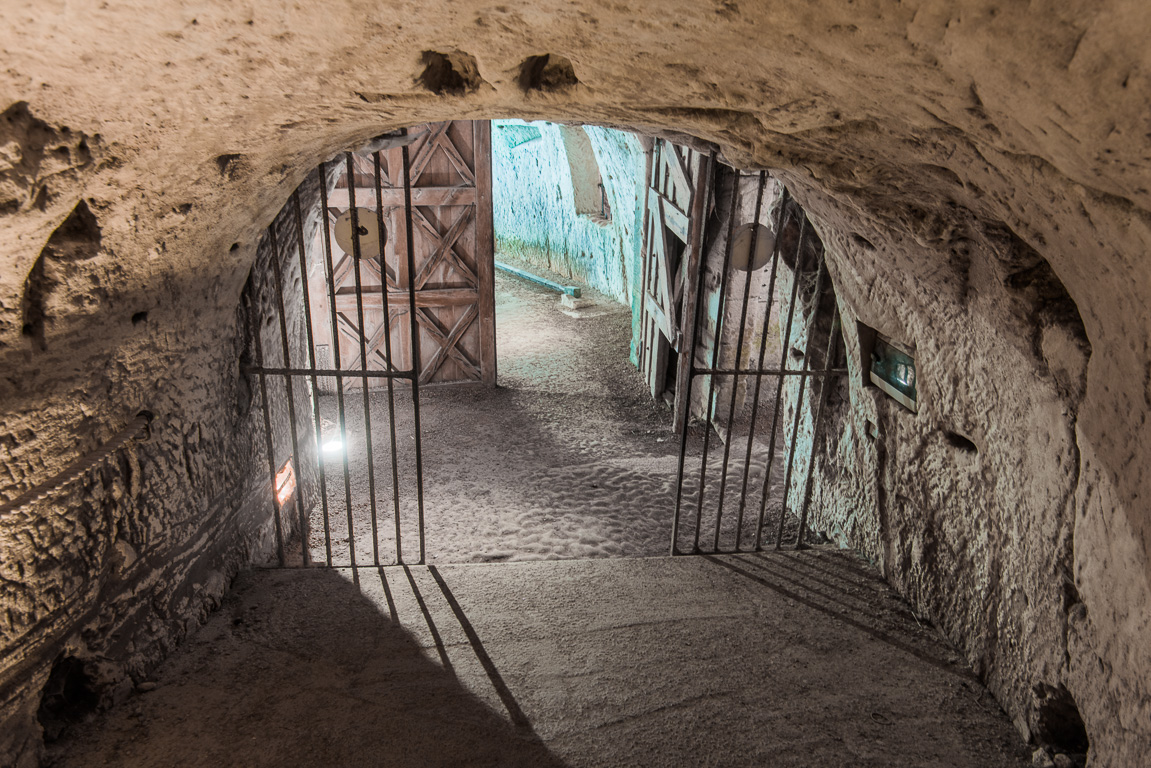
column 680, row 174
column 692, row 275
column 674, row 218
column 485, row 251
column 394, row 198
column 442, row 297
column 427, row 151
column 447, row 344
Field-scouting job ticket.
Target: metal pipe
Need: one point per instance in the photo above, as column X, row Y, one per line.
column 328, row 273
column 357, row 254
column 779, row 385
column 388, row 350
column 738, row 354
column 258, row 349
column 825, row 389
column 798, row 408
column 277, row 275
column 311, row 343
column 759, row 373
column 415, row 333
column 710, row 412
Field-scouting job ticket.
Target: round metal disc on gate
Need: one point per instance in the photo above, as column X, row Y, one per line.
column 741, row 246
column 371, row 237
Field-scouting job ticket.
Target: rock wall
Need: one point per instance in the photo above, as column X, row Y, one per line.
column 941, row 148
column 540, row 221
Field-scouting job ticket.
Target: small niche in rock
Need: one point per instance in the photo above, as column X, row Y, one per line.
column 453, row 74
column 68, row 697
column 1058, row 724
column 956, row 440
column 139, row 317
column 547, row 73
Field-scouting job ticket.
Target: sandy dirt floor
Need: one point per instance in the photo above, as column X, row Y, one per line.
column 567, row 457
column 781, row 659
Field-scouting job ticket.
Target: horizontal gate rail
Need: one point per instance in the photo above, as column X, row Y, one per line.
column 330, row 372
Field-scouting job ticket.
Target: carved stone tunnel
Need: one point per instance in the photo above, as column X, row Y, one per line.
column 978, row 172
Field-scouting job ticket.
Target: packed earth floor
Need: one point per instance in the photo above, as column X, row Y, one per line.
column 771, row 659
column 568, row 457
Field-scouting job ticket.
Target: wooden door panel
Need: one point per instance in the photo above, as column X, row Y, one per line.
column 450, row 172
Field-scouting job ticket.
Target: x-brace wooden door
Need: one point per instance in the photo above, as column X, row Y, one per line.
column 676, row 197
column 451, row 188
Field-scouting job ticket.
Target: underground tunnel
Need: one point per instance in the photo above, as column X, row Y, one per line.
column 975, row 174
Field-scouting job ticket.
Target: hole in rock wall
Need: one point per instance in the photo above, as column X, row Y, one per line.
column 69, row 696
column 1058, row 724
column 548, row 72
column 956, row 440
column 451, row 74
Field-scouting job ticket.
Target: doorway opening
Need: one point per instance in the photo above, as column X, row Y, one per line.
column 638, row 410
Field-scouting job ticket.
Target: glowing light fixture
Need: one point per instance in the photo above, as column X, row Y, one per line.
column 333, row 446
column 285, row 483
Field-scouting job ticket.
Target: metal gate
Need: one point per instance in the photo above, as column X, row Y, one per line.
column 717, row 507
column 297, row 481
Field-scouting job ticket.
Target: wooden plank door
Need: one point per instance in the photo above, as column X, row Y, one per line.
column 453, row 280
column 674, row 219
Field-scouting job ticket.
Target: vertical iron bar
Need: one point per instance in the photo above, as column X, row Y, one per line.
column 311, row 342
column 786, row 343
column 254, row 324
column 832, row 350
column 710, row 411
column 798, row 409
column 277, row 274
column 388, row 350
column 328, row 272
column 415, row 333
column 739, row 352
column 759, row 370
column 357, row 254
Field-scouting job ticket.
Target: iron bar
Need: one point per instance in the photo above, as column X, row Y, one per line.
column 769, row 372
column 710, row 408
column 388, row 349
column 278, row 277
column 332, row 372
column 311, row 344
column 357, row 254
column 738, row 351
column 415, row 334
column 258, row 349
column 786, row 344
column 798, row 403
column 759, row 369
column 329, row 276
column 825, row 388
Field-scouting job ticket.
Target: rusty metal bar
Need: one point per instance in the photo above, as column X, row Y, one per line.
column 710, row 412
column 328, row 272
column 356, row 255
column 760, row 372
column 825, row 389
column 738, row 352
column 798, row 405
column 786, row 344
column 258, row 348
column 311, row 342
column 332, row 372
column 277, row 275
column 388, row 349
column 415, row 334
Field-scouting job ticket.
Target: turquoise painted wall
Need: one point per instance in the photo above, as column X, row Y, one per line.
column 536, row 223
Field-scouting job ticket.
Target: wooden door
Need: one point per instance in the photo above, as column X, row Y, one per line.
column 676, row 197
column 451, row 182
